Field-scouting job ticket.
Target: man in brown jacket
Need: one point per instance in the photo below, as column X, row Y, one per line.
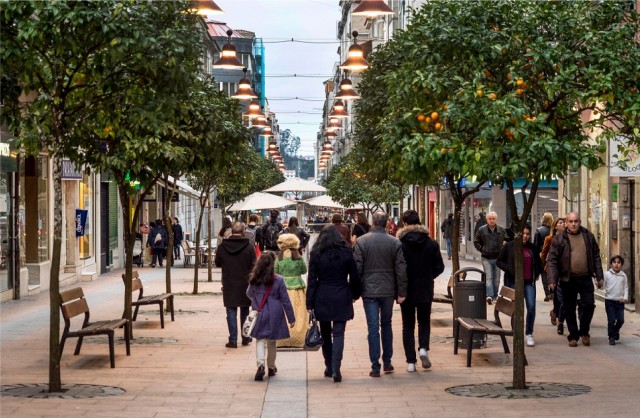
column 572, row 263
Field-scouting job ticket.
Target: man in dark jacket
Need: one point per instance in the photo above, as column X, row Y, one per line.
column 269, row 233
column 446, row 228
column 237, row 257
column 538, row 240
column 572, row 263
column 489, row 241
column 158, row 242
column 424, row 264
column 383, row 274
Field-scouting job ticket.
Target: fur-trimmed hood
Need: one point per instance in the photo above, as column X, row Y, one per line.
column 413, row 233
column 288, row 242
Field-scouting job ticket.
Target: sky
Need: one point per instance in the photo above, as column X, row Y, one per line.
column 275, row 21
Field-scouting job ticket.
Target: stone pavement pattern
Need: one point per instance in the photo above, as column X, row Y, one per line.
column 185, row 370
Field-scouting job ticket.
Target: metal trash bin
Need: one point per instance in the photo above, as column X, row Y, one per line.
column 469, row 300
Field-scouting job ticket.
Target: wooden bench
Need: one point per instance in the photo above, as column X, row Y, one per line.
column 505, row 305
column 150, row 300
column 72, row 304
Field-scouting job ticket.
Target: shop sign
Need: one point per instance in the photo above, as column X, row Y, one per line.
column 623, row 165
column 70, row 171
column 81, row 221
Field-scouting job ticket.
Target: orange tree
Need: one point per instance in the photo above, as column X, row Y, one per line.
column 509, row 90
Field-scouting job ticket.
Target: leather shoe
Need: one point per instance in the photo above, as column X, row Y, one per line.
column 328, row 372
column 586, row 340
column 273, row 371
column 259, row 374
column 246, row 340
column 388, row 368
column 560, row 328
column 573, row 343
column 231, row 344
column 374, row 373
column 337, row 377
column 554, row 318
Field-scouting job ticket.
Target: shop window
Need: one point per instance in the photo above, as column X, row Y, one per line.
column 85, row 242
column 34, row 197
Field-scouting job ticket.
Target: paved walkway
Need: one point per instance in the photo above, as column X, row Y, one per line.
column 185, row 370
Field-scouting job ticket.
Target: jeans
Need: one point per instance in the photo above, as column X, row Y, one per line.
column 158, row 253
column 530, row 301
column 232, row 321
column 270, row 347
column 615, row 317
column 583, row 286
column 332, row 344
column 378, row 312
column 493, row 276
column 176, row 250
column 409, row 311
column 448, row 241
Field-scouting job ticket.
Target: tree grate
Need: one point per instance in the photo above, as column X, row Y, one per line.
column 69, row 391
column 506, row 390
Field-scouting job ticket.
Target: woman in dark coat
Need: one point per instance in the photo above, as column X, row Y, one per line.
column 331, row 295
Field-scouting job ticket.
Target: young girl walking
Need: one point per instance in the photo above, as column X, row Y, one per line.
column 271, row 325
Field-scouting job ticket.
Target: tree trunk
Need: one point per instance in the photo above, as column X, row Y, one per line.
column 166, row 218
column 209, row 269
column 55, row 381
column 197, row 246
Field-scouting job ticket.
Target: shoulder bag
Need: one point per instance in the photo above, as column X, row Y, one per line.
column 252, row 318
column 313, row 338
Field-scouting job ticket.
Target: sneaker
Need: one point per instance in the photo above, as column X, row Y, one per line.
column 573, row 343
column 424, row 357
column 612, row 341
column 586, row 340
column 273, row 371
column 246, row 340
column 388, row 368
column 529, row 339
column 231, row 344
column 489, row 300
column 374, row 373
column 554, row 318
column 259, row 374
column 411, row 367
column 560, row 328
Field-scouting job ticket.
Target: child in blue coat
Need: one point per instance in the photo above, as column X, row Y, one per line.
column 271, row 324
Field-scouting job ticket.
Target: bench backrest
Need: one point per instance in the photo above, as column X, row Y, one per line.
column 72, row 304
column 185, row 247
column 505, row 303
column 136, row 283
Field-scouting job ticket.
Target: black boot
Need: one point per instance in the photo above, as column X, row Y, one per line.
column 337, row 377
column 259, row 374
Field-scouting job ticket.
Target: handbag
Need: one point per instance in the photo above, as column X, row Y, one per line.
column 252, row 318
column 313, row 338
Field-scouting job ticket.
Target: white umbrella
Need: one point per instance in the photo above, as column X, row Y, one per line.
column 296, row 185
column 324, row 201
column 259, row 200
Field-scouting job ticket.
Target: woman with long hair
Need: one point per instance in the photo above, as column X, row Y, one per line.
column 333, row 286
column 557, row 313
column 361, row 227
column 294, row 228
column 271, row 324
column 291, row 267
column 225, row 231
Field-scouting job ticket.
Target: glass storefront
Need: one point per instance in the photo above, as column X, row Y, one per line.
column 85, row 195
column 34, row 195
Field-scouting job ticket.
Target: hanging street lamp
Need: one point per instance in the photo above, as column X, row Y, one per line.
column 228, row 58
column 338, row 110
column 372, row 9
column 355, row 61
column 346, row 91
column 206, row 7
column 254, row 110
column 244, row 92
column 334, row 124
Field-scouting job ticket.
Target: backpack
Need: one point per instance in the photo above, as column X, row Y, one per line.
column 251, row 234
column 270, row 236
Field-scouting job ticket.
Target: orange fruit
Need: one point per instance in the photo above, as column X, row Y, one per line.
column 479, row 93
column 519, row 82
column 427, row 119
column 504, row 52
column 438, row 126
column 487, row 73
column 492, row 96
column 420, row 117
column 445, row 107
column 434, row 116
column 443, row 151
column 519, row 92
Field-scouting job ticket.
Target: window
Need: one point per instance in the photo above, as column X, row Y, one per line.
column 85, row 197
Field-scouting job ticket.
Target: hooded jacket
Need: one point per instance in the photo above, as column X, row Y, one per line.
column 424, row 262
column 237, row 257
column 381, row 265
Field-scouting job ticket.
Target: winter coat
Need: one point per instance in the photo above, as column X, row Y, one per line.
column 507, row 261
column 237, row 257
column 616, row 286
column 559, row 258
column 329, row 293
column 381, row 265
column 151, row 240
column 541, row 233
column 424, row 262
column 446, row 227
column 271, row 321
column 178, row 235
column 489, row 243
column 291, row 270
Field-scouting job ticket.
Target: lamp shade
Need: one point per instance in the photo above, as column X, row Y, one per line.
column 355, row 61
column 267, row 131
column 334, row 124
column 244, row 91
column 254, row 110
column 346, row 91
column 207, row 7
column 228, row 59
column 329, row 134
column 372, row 8
column 338, row 110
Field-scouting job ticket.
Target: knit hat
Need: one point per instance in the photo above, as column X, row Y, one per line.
column 288, row 241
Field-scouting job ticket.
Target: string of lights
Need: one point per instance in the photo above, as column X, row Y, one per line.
column 299, row 75
column 305, row 99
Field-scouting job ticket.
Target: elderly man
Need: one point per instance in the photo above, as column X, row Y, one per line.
column 572, row 263
column 383, row 274
column 237, row 257
column 489, row 241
